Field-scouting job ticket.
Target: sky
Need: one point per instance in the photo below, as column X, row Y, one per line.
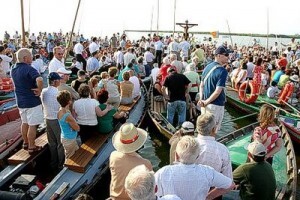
column 101, row 18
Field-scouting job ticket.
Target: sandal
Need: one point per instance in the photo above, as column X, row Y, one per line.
column 34, row 150
column 25, row 146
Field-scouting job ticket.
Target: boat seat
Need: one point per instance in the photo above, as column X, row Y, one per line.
column 127, row 108
column 9, row 115
column 23, row 155
column 80, row 160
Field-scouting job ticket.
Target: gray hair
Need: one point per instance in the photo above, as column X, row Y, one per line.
column 173, row 56
column 205, row 124
column 140, row 183
column 188, row 150
column 21, row 53
column 166, row 61
column 190, row 67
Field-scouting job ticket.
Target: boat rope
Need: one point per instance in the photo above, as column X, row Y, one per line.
column 243, row 117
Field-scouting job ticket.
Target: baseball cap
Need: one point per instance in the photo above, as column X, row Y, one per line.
column 257, row 149
column 54, row 76
column 187, row 127
column 63, row 70
column 222, row 50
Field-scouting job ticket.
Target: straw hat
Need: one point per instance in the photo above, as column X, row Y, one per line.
column 295, row 78
column 129, row 138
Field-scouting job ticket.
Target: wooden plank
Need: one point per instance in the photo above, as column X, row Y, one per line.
column 128, row 107
column 80, row 160
column 23, row 155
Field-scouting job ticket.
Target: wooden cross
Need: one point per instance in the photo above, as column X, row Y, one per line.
column 186, row 27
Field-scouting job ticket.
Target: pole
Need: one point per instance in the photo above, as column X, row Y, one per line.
column 23, row 27
column 70, row 39
column 267, row 29
column 229, row 33
column 157, row 24
column 151, row 19
column 29, row 19
column 242, row 117
column 174, row 19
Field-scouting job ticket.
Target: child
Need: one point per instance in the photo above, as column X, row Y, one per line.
column 67, row 123
column 273, row 90
column 75, row 66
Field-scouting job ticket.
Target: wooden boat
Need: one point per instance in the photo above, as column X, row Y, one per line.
column 290, row 120
column 156, row 112
column 284, row 162
column 83, row 168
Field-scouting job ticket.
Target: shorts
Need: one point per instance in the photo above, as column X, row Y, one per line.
column 217, row 111
column 70, row 146
column 32, row 116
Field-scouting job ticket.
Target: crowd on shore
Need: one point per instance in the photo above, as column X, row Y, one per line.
column 108, row 75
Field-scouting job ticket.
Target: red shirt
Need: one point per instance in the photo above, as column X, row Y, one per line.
column 282, row 62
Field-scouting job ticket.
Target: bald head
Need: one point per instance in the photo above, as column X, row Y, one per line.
column 24, row 56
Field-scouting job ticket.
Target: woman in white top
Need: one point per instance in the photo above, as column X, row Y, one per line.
column 113, row 88
column 86, row 111
column 242, row 75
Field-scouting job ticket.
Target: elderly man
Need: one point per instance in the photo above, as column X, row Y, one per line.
column 56, row 62
column 126, row 141
column 212, row 95
column 140, row 184
column 51, row 108
column 65, row 75
column 188, row 180
column 256, row 178
column 28, row 86
column 212, row 153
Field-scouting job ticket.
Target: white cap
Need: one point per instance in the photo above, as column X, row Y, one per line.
column 63, row 70
column 187, row 127
column 257, row 149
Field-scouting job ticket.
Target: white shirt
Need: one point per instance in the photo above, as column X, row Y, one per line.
column 191, row 182
column 184, row 46
column 85, row 109
column 215, row 155
column 93, row 47
column 148, row 56
column 154, row 73
column 38, row 64
column 50, row 104
column 55, row 64
column 272, row 91
column 128, row 57
column 136, row 86
column 250, row 67
column 173, row 46
column 119, row 57
column 78, row 48
column 168, row 197
column 5, row 62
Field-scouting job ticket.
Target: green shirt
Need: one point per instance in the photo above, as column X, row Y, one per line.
column 256, row 180
column 105, row 123
column 283, row 80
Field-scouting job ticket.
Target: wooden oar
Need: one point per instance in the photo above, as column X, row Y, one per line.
column 245, row 116
column 289, row 105
column 294, row 115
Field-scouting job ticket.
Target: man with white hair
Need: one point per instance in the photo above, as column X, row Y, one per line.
column 176, row 63
column 189, row 180
column 194, row 77
column 28, row 86
column 140, row 184
column 212, row 153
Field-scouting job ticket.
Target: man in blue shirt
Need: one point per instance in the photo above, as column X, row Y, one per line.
column 212, row 95
column 28, row 86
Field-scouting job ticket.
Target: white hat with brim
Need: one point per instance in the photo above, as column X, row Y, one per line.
column 129, row 138
column 295, row 78
column 257, row 149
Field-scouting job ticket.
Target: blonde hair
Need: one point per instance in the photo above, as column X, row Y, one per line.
column 21, row 53
column 188, row 150
column 266, row 116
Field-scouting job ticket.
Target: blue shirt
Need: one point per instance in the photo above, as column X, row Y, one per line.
column 24, row 78
column 66, row 131
column 216, row 79
column 92, row 64
column 277, row 75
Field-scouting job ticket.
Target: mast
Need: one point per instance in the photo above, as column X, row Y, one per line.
column 229, row 33
column 267, row 29
column 174, row 19
column 151, row 19
column 29, row 18
column 70, row 39
column 23, row 27
column 157, row 24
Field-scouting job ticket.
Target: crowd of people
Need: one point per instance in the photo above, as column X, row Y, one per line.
column 108, row 75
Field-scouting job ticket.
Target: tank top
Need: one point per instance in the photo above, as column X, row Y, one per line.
column 66, row 131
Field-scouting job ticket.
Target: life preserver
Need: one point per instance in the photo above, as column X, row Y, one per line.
column 286, row 93
column 253, row 95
